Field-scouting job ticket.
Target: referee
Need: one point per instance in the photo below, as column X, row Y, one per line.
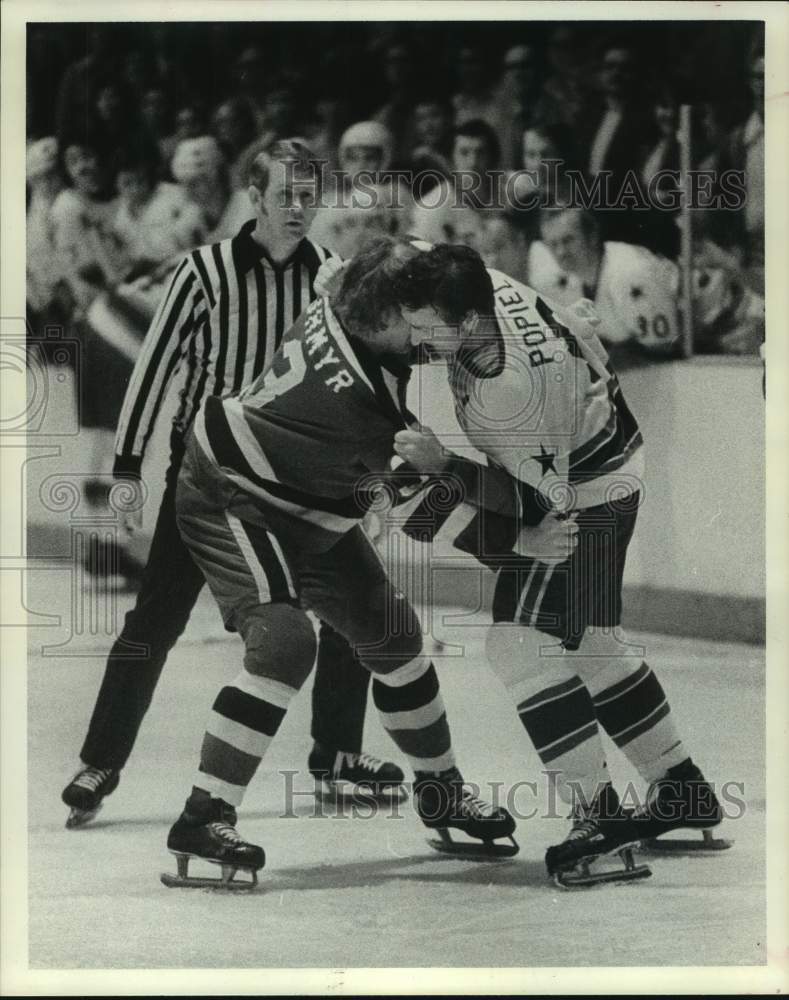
column 223, row 316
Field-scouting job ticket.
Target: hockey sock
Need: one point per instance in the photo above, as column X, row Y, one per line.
column 244, row 719
column 412, row 711
column 555, row 709
column 631, row 705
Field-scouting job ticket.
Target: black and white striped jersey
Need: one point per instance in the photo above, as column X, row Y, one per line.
column 223, row 316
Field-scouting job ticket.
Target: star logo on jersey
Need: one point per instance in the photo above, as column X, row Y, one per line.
column 545, row 458
column 636, row 292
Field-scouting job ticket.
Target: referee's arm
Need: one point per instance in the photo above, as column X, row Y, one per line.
column 176, row 323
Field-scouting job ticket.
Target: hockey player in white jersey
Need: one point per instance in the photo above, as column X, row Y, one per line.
column 534, row 391
column 637, row 293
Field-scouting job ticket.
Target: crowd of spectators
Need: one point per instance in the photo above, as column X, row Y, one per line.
column 140, row 138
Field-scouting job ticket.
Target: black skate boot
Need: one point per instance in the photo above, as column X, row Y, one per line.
column 681, row 800
column 341, row 776
column 599, row 831
column 206, row 829
column 86, row 791
column 443, row 801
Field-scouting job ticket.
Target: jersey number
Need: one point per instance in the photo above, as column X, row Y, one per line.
column 287, row 371
column 660, row 327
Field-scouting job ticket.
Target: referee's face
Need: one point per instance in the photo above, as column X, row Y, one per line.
column 288, row 206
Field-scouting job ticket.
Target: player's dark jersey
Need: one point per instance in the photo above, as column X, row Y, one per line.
column 307, row 436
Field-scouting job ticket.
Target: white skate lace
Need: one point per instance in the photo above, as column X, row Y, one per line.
column 582, row 828
column 472, row 805
column 91, row 777
column 226, row 831
column 363, row 760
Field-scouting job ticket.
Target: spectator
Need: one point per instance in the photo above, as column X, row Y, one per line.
column 360, row 204
column 562, row 94
column 659, row 230
column 548, row 152
column 637, row 294
column 155, row 125
column 621, row 133
column 518, row 101
column 155, row 220
column 456, row 207
column 397, row 115
column 190, row 123
column 747, row 154
column 664, row 153
column 433, row 151
column 507, row 244
column 200, row 168
column 249, row 85
column 234, row 128
column 108, row 130
column 323, row 132
column 281, row 111
column 474, row 99
column 87, row 256
column 721, row 227
column 44, row 183
column 83, row 78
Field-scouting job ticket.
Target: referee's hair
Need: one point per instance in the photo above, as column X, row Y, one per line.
column 295, row 151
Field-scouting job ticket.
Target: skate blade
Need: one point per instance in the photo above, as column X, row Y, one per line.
column 477, row 850
column 594, row 871
column 708, row 844
column 81, row 817
column 346, row 792
column 227, row 882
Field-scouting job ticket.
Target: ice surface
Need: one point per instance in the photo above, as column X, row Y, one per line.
column 346, row 891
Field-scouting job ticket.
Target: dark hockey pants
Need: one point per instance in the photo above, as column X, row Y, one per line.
column 169, row 590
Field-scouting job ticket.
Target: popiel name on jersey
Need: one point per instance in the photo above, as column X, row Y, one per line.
column 532, row 330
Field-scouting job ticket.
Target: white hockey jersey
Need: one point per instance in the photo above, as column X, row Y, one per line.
column 636, row 296
column 543, row 402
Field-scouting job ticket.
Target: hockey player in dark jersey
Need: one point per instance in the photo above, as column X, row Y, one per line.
column 270, row 498
column 534, row 391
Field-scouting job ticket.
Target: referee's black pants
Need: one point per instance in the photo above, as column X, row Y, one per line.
column 169, row 589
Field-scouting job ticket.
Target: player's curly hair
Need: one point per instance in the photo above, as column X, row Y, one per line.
column 449, row 277
column 367, row 299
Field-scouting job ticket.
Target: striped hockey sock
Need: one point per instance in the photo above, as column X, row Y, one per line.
column 243, row 721
column 560, row 720
column 633, row 709
column 412, row 711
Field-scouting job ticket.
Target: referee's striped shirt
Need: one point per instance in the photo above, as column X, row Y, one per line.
column 223, row 317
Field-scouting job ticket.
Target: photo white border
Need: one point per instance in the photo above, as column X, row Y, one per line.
column 15, row 976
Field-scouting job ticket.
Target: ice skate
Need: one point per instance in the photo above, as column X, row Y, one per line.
column 444, row 803
column 86, row 791
column 206, row 830
column 601, row 834
column 341, row 776
column 682, row 800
